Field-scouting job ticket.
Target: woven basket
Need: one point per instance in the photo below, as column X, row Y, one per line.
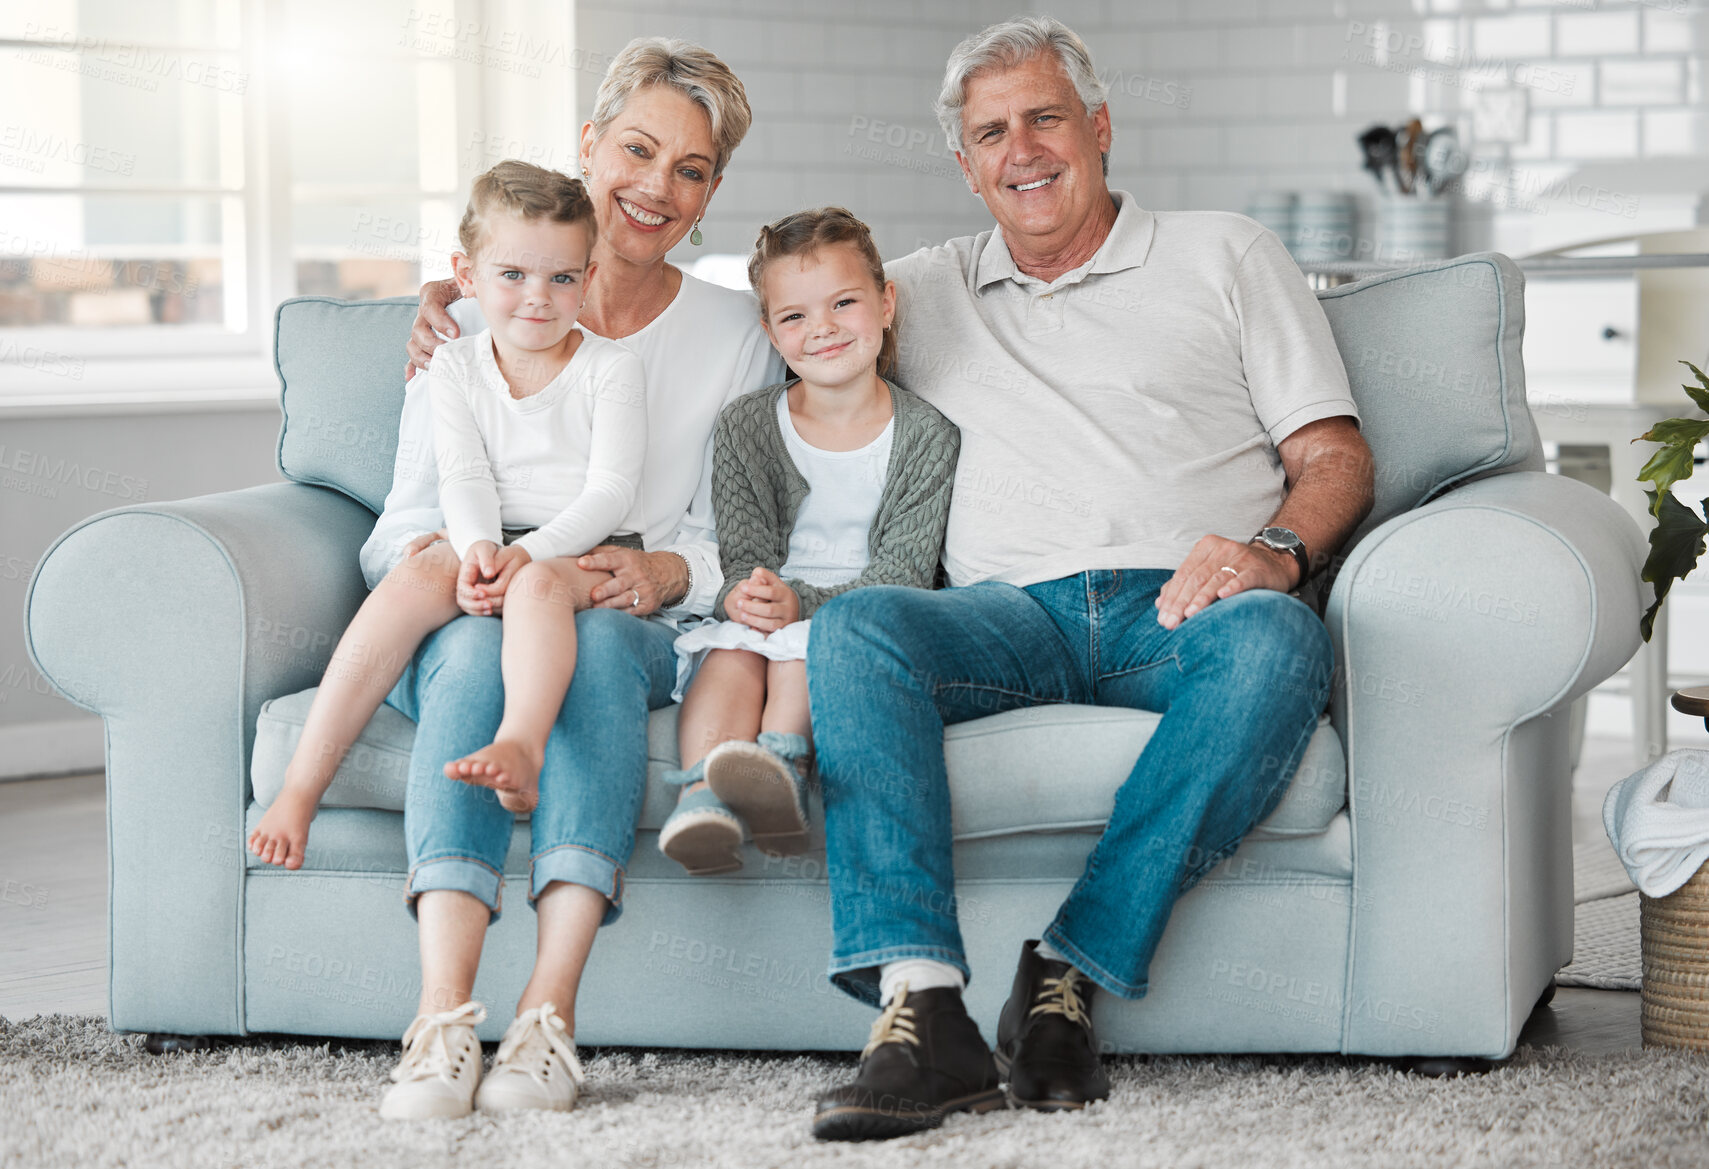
column 1675, row 930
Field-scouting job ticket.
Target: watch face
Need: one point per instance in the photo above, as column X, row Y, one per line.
column 1280, row 538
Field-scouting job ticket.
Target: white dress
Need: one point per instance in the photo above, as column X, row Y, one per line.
column 827, row 546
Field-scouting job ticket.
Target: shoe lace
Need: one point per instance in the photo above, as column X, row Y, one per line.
column 427, row 1051
column 894, row 1025
column 1061, row 996
column 543, row 1023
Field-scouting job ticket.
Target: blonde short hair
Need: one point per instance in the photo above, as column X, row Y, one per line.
column 525, row 191
column 692, row 71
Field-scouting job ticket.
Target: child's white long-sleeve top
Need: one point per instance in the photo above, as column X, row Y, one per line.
column 566, row 461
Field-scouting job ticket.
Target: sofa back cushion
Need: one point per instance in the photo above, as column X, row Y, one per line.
column 341, row 377
column 1432, row 355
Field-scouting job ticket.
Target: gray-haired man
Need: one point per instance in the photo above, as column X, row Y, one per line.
column 1125, row 383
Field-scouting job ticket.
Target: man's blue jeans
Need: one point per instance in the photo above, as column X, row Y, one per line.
column 595, row 773
column 1240, row 686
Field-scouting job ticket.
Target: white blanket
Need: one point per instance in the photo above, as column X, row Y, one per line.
column 1658, row 819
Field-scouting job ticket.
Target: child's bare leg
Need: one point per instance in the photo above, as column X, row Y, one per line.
column 539, row 659
column 761, row 782
column 417, row 597
column 724, row 702
column 786, row 700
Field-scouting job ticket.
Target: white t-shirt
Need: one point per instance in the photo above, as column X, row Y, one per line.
column 565, row 461
column 828, row 544
column 1111, row 418
column 705, row 350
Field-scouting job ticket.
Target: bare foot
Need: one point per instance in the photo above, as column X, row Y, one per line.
column 508, row 767
column 283, row 834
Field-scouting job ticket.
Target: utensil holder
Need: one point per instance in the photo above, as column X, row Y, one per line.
column 1411, row 231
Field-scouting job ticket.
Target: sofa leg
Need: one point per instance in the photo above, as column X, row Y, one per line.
column 1441, row 1067
column 1548, row 995
column 166, row 1043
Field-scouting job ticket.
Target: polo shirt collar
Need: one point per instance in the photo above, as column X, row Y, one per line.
column 1127, row 246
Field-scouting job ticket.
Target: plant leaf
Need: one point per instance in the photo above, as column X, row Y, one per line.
column 1676, row 543
column 1700, row 396
column 1676, row 431
column 1665, row 468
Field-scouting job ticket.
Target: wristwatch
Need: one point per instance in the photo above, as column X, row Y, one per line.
column 1286, row 540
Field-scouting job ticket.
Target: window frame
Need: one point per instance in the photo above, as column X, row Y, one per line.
column 172, row 366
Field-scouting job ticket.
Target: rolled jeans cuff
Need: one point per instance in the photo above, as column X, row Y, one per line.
column 459, row 874
column 1079, row 959
column 579, row 865
column 858, row 974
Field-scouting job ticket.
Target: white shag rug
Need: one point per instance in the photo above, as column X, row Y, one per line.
column 73, row 1094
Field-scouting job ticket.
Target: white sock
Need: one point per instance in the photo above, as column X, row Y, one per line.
column 919, row 974
column 1051, row 953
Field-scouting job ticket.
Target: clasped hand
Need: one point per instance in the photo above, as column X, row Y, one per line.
column 763, row 602
column 486, row 573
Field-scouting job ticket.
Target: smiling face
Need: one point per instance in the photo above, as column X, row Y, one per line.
column 529, row 276
column 650, row 173
column 825, row 315
column 1034, row 155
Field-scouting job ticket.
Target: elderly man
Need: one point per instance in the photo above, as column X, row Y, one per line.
column 1158, row 447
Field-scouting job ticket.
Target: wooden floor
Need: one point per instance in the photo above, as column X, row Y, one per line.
column 53, row 887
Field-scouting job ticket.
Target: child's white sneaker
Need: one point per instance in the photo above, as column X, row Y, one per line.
column 536, row 1065
column 440, row 1069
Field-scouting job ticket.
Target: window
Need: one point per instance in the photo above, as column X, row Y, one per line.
column 170, row 171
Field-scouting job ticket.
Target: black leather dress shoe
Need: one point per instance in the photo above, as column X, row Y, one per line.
column 1045, row 1046
column 925, row 1059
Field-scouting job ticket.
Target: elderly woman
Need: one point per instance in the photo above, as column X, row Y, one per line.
column 666, row 120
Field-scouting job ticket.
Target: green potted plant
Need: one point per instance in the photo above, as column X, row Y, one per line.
column 1676, row 542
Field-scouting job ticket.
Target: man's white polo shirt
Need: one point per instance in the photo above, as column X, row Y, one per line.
column 1111, row 418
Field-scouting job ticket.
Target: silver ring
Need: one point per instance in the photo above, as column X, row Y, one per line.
column 1226, row 568
column 637, row 599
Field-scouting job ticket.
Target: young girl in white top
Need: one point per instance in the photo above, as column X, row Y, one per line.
column 539, row 433
column 837, row 479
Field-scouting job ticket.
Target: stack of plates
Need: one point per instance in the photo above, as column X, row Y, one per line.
column 1275, row 210
column 1325, row 226
column 1412, row 230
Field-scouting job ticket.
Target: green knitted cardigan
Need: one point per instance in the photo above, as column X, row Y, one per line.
column 757, row 491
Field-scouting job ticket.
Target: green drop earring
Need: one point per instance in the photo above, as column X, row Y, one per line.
column 694, row 236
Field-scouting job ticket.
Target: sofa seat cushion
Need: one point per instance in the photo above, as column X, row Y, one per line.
column 1043, row 769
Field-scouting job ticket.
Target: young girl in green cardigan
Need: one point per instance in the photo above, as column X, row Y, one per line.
column 836, row 479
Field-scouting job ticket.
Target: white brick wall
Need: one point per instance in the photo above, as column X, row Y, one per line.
column 1212, row 99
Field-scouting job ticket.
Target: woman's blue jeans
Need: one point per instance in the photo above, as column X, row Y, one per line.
column 1240, row 686
column 595, row 773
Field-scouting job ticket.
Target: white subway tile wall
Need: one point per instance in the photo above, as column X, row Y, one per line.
column 1212, row 100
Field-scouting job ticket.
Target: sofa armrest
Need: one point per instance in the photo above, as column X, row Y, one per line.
column 1461, row 630
column 175, row 622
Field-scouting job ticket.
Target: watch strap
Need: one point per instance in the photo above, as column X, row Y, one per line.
column 1297, row 548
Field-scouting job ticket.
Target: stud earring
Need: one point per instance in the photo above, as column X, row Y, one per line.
column 694, row 236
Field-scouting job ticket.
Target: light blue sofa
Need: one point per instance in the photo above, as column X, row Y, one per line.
column 1412, row 895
